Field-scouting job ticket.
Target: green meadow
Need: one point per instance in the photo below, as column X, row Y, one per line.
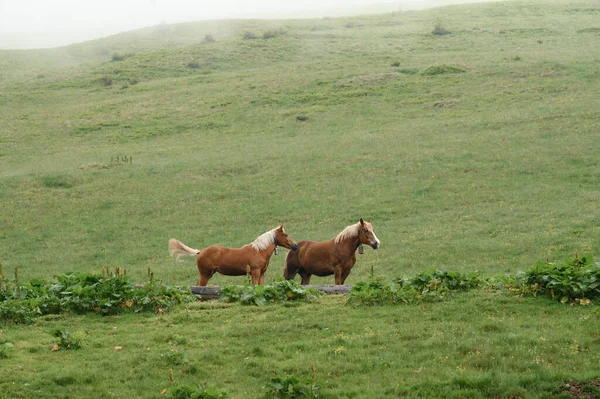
column 476, row 149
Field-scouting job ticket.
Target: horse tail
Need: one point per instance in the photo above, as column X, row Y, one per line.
column 178, row 248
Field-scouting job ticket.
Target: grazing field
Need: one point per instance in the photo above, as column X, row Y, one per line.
column 468, row 135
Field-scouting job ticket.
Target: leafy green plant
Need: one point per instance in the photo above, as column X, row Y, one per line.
column 67, row 341
column 290, row 387
column 576, row 279
column 259, row 295
column 107, row 294
column 427, row 285
column 198, row 392
column 175, row 358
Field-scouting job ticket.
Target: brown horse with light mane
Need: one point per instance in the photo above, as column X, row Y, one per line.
column 253, row 258
column 336, row 256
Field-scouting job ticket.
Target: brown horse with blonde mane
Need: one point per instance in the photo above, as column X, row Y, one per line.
column 336, row 256
column 252, row 258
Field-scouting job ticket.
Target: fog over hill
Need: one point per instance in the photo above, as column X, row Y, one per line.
column 28, row 24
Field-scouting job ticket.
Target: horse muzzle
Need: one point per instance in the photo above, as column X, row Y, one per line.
column 294, row 246
column 375, row 245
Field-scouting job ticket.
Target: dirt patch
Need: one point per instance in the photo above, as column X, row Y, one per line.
column 582, row 389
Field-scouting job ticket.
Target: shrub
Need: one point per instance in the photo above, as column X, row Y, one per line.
column 57, row 181
column 259, row 295
column 208, row 39
column 290, row 387
column 576, row 279
column 193, row 65
column 198, row 392
column 425, row 286
column 441, row 70
column 118, row 57
column 439, row 30
column 273, row 33
column 175, row 358
column 106, row 294
column 66, row 340
column 248, row 35
column 106, row 80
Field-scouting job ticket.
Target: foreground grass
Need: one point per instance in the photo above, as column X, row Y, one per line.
column 492, row 168
column 476, row 345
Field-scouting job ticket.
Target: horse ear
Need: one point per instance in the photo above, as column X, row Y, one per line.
column 362, row 222
column 281, row 226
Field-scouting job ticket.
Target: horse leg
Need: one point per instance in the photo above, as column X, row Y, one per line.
column 261, row 281
column 337, row 271
column 255, row 274
column 345, row 274
column 305, row 278
column 203, row 281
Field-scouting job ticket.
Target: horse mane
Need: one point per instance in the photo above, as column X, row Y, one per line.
column 264, row 240
column 348, row 232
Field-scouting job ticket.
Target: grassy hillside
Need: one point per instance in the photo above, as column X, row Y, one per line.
column 471, row 150
column 475, row 149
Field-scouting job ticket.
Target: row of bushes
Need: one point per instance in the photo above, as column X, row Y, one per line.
column 575, row 280
column 425, row 286
column 259, row 295
column 283, row 387
column 109, row 293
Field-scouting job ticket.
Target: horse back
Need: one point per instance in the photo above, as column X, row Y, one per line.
column 311, row 254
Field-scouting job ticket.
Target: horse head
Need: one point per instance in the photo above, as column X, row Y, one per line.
column 283, row 239
column 367, row 235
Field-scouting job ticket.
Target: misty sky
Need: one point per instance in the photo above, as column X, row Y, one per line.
column 45, row 23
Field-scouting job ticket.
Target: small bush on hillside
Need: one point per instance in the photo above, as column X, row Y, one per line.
column 273, row 33
column 106, row 80
column 208, row 39
column 106, row 294
column 290, row 387
column 351, row 25
column 259, row 295
column 576, row 279
column 441, row 70
column 175, row 358
column 66, row 340
column 57, row 181
column 198, row 392
column 193, row 65
column 248, row 35
column 439, row 30
column 426, row 286
column 118, row 57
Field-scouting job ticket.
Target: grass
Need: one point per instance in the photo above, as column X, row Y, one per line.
column 480, row 344
column 489, row 169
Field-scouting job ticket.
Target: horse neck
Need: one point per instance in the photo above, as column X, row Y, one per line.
column 348, row 246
